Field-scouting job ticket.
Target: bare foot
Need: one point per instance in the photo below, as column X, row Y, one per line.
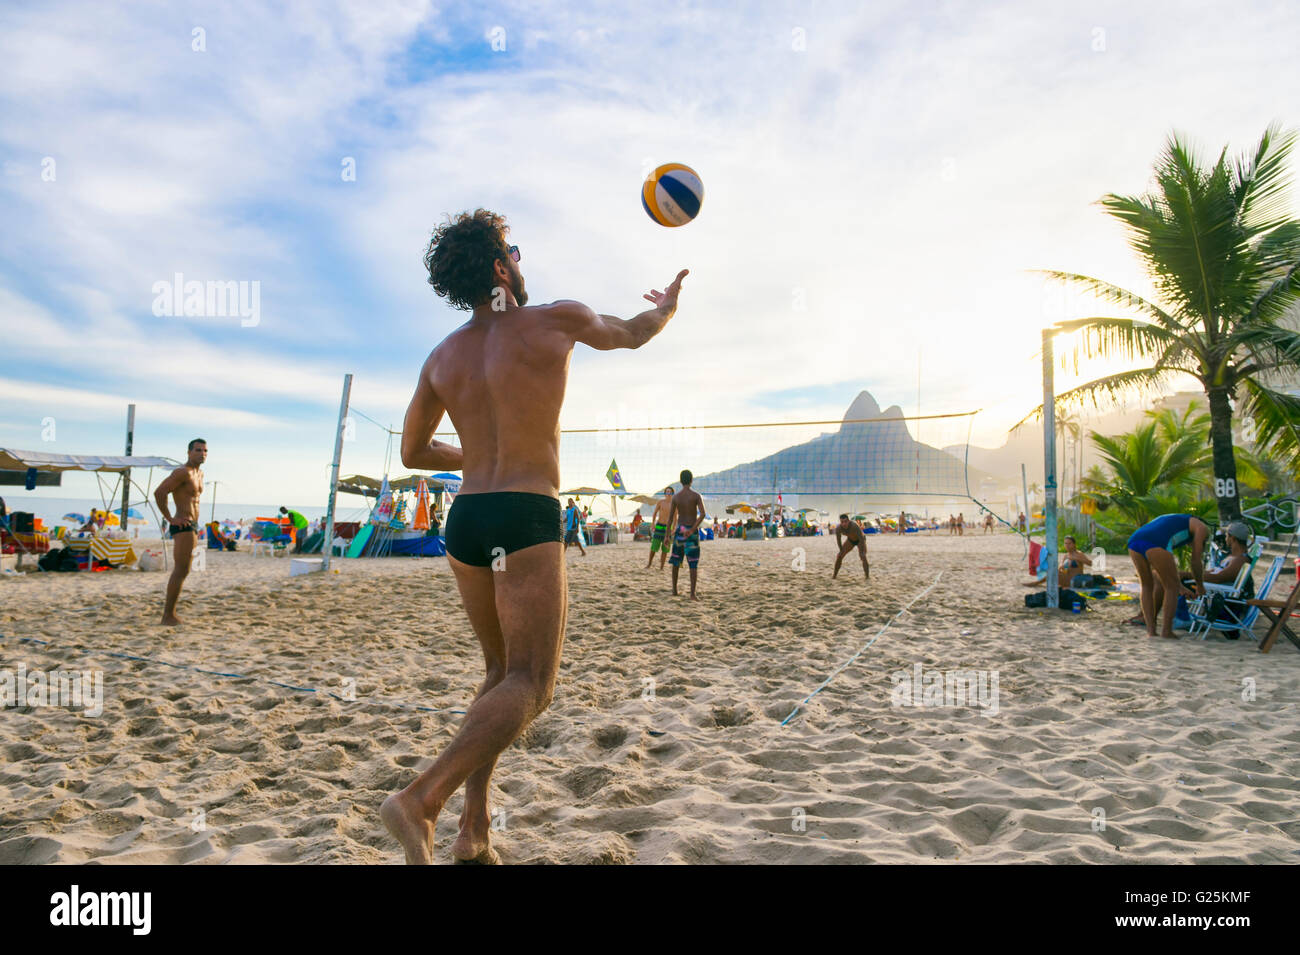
column 409, row 826
column 695, row 596
column 487, row 857
column 473, row 845
column 1169, row 636
column 171, row 621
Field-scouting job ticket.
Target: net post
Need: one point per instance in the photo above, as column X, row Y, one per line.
column 1049, row 470
column 126, row 475
column 327, row 545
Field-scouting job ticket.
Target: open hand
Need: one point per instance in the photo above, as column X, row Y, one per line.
column 667, row 299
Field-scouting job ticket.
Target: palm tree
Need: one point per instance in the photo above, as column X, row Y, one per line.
column 1145, row 468
column 1226, row 264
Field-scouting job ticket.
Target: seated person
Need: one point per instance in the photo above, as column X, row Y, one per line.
column 1073, row 561
column 1238, row 535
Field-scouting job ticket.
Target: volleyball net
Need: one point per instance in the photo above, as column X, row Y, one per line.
column 882, row 464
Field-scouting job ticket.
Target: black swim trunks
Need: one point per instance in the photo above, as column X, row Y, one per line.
column 189, row 528
column 478, row 524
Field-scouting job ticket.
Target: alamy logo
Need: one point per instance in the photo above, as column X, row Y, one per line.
column 102, row 908
column 194, row 299
column 945, row 688
column 71, row 689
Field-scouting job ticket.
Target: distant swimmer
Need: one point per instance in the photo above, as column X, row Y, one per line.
column 185, row 484
column 501, row 379
column 660, row 539
column 849, row 535
column 685, row 516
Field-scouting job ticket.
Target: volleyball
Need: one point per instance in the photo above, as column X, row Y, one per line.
column 672, row 194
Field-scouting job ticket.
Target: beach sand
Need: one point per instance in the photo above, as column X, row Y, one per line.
column 1106, row 747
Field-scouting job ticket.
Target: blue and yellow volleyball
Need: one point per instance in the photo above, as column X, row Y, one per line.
column 672, row 194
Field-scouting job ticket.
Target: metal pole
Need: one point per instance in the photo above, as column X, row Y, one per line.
column 212, row 514
column 126, row 475
column 327, row 545
column 1049, row 469
column 1024, row 499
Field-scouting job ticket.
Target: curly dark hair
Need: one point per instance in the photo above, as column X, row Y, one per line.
column 461, row 255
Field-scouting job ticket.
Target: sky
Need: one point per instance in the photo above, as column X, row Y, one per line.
column 881, row 181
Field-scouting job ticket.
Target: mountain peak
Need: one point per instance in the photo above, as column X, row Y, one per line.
column 863, row 406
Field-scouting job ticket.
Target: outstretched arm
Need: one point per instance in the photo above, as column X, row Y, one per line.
column 419, row 450
column 605, row 332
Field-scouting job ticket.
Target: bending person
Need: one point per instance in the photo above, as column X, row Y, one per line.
column 1152, row 549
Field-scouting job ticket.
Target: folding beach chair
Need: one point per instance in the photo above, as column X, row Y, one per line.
column 1240, row 616
column 1233, row 591
column 1281, row 621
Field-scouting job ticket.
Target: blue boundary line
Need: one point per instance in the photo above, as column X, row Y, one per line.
column 849, row 662
column 243, row 676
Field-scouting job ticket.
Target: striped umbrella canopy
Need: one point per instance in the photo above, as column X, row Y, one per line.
column 74, row 517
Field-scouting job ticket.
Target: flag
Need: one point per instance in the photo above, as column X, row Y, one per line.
column 615, row 479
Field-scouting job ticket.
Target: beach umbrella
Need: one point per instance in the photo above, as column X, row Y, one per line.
column 420, row 521
column 583, row 492
column 450, row 482
column 74, row 517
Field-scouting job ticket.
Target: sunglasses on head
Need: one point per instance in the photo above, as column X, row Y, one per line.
column 513, row 252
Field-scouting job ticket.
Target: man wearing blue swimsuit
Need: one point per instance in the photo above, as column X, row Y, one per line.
column 1151, row 547
column 500, row 378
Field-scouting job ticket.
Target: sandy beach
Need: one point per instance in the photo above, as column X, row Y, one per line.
column 664, row 743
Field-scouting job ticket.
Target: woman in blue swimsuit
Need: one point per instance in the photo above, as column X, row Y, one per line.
column 1151, row 547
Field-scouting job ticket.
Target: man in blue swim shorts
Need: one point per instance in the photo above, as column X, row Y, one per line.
column 686, row 515
column 1151, row 548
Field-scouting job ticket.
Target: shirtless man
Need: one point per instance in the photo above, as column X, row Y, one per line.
column 186, row 485
column 660, row 539
column 500, row 377
column 685, row 515
column 849, row 535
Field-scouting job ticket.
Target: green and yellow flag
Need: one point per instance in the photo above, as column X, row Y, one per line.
column 615, row 479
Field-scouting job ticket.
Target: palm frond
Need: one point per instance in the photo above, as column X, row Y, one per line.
column 1269, row 346
column 1115, row 296
column 1276, row 415
column 1261, row 181
column 1110, row 389
column 1108, row 337
column 1279, row 298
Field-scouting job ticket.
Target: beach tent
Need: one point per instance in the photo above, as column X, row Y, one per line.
column 12, row 459
column 364, row 486
column 42, row 462
column 34, row 463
